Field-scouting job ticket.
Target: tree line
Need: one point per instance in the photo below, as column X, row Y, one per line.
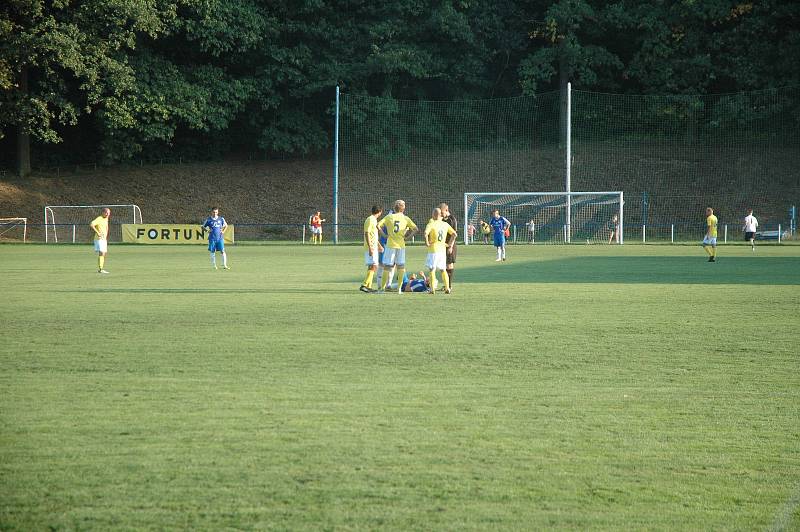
column 110, row 80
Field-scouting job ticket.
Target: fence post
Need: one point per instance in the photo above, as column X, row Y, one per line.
column 725, row 240
column 73, row 233
column 779, row 233
column 671, row 233
column 304, row 233
column 644, row 234
column 515, row 233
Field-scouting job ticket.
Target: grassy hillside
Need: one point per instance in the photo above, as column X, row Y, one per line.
column 679, row 182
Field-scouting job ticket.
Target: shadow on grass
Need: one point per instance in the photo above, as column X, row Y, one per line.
column 644, row 270
column 197, row 291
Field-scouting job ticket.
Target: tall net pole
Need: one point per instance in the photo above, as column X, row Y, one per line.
column 568, row 185
column 336, row 172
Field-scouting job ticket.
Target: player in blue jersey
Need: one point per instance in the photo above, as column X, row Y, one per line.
column 216, row 225
column 500, row 226
column 415, row 283
column 383, row 237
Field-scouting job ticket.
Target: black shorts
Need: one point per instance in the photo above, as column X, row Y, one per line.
column 749, row 235
column 450, row 258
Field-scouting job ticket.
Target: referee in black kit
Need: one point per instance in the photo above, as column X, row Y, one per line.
column 452, row 247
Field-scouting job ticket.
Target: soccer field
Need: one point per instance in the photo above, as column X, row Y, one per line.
column 572, row 387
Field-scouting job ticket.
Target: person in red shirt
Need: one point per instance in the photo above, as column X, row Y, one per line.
column 316, row 228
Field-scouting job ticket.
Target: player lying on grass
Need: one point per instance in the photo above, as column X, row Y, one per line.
column 416, row 283
column 436, row 233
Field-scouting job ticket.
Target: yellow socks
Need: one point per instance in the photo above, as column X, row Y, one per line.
column 446, row 279
column 368, row 279
column 101, row 260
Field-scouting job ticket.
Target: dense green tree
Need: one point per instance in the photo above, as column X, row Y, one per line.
column 128, row 77
column 59, row 61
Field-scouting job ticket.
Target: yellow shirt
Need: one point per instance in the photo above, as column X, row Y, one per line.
column 100, row 225
column 438, row 231
column 371, row 232
column 396, row 225
column 711, row 222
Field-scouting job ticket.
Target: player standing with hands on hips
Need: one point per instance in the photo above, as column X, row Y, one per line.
column 500, row 225
column 216, row 239
column 100, row 227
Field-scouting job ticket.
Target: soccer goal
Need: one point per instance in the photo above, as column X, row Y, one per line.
column 70, row 223
column 14, row 229
column 548, row 217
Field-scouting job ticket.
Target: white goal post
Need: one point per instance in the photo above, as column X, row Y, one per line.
column 548, row 217
column 71, row 222
column 7, row 225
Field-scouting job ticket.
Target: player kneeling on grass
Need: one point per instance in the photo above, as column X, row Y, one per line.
column 216, row 239
column 100, row 227
column 371, row 248
column 436, row 234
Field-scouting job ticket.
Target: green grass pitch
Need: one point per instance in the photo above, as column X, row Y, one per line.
column 573, row 387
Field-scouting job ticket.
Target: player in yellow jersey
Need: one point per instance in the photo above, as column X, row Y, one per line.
column 710, row 240
column 436, row 234
column 371, row 247
column 100, row 227
column 398, row 227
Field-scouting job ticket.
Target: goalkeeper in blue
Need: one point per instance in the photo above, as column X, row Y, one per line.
column 500, row 227
column 216, row 240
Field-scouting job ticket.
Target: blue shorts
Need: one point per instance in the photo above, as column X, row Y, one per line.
column 380, row 254
column 499, row 240
column 216, row 245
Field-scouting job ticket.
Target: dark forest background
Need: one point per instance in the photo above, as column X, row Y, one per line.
column 113, row 80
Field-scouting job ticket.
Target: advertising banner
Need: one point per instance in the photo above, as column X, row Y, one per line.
column 169, row 234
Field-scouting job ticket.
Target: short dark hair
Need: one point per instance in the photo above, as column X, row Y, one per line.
column 377, row 209
column 215, row 208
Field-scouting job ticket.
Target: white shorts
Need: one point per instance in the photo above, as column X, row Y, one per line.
column 394, row 256
column 710, row 241
column 101, row 245
column 371, row 258
column 436, row 260
column 316, row 230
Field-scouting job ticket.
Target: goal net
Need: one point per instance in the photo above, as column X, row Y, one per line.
column 13, row 229
column 70, row 223
column 547, row 217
